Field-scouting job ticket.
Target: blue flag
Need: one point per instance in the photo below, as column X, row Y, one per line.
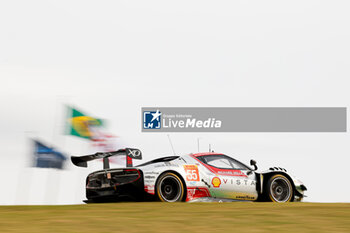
column 47, row 157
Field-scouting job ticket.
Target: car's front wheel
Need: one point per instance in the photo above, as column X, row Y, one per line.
column 170, row 187
column 279, row 189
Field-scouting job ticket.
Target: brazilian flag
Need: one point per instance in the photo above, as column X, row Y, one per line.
column 80, row 124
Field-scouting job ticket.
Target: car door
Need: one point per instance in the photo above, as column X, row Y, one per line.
column 229, row 178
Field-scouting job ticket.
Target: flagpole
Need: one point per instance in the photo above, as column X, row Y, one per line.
column 60, row 133
column 28, row 177
column 49, row 176
column 59, row 141
column 77, row 198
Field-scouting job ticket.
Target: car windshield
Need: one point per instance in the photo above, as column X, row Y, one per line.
column 223, row 162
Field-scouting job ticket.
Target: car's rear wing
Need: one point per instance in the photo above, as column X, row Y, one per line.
column 130, row 153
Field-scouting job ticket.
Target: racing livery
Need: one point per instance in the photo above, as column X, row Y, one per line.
column 206, row 176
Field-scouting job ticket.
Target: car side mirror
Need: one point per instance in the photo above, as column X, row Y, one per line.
column 253, row 163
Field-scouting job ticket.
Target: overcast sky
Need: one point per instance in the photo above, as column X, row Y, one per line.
column 110, row 58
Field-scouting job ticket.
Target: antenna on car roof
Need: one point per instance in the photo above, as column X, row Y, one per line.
column 210, row 150
column 198, row 144
column 171, row 144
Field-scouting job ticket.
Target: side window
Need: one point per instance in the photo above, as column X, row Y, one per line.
column 223, row 162
column 237, row 165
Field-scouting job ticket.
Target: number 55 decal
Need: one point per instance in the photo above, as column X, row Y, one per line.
column 191, row 172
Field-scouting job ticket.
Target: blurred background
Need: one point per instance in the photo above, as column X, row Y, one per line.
column 108, row 59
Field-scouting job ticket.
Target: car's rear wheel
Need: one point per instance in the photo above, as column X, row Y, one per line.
column 170, row 187
column 279, row 189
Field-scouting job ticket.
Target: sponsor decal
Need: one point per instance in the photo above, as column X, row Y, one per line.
column 239, row 181
column 216, row 182
column 192, row 173
column 152, row 172
column 192, row 183
column 150, row 178
column 152, row 119
column 134, row 153
column 245, row 197
column 231, row 173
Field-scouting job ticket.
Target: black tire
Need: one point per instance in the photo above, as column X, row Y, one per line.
column 170, row 188
column 279, row 189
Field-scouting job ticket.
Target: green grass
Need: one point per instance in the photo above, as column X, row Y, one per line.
column 178, row 217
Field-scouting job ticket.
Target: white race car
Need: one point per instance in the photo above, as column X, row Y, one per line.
column 206, row 176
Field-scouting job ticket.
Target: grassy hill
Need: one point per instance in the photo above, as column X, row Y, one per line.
column 178, row 217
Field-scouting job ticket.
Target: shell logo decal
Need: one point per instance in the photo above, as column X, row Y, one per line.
column 216, row 182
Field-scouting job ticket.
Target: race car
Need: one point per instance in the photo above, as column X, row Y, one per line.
column 195, row 177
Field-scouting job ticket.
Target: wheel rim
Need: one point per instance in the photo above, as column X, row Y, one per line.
column 170, row 188
column 280, row 189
